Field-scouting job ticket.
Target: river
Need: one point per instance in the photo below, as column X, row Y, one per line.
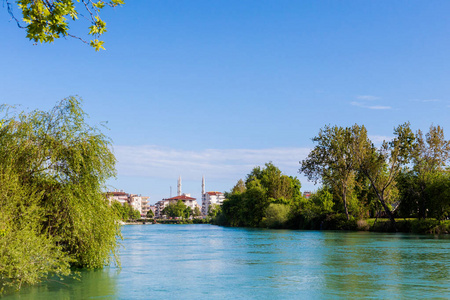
column 211, row 262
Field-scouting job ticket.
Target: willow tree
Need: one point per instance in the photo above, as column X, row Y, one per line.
column 332, row 161
column 60, row 165
column 47, row 20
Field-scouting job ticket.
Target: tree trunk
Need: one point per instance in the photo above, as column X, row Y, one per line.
column 344, row 197
column 380, row 197
column 387, row 210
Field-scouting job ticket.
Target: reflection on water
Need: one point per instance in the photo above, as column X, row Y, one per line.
column 90, row 284
column 204, row 261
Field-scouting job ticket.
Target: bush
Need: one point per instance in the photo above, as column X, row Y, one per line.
column 276, row 216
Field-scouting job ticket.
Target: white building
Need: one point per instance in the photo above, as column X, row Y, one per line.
column 185, row 198
column 210, row 198
column 139, row 203
column 119, row 196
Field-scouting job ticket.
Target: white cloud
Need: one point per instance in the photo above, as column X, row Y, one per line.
column 378, row 107
column 427, row 100
column 159, row 162
column 364, row 103
column 367, row 97
column 354, row 103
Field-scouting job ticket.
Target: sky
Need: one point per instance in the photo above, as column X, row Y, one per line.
column 215, row 88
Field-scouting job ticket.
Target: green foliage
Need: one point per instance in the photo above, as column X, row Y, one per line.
column 197, row 212
column 47, row 20
column 333, row 161
column 422, row 187
column 323, row 200
column 239, row 188
column 359, row 181
column 150, row 214
column 57, row 165
column 247, row 204
column 213, row 210
column 177, row 210
column 276, row 216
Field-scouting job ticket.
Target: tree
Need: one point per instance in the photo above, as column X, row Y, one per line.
column 197, row 212
column 150, row 214
column 176, row 210
column 47, row 20
column 246, row 205
column 381, row 166
column 213, row 210
column 60, row 164
column 430, row 156
column 332, row 160
column 277, row 186
column 239, row 187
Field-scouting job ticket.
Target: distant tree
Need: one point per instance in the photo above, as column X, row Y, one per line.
column 213, row 210
column 246, row 205
column 332, row 161
column 239, row 187
column 47, row 20
column 381, row 166
column 197, row 212
column 177, row 210
column 150, row 214
column 323, row 199
column 132, row 214
column 277, row 186
column 430, row 156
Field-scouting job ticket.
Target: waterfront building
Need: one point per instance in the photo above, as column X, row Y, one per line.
column 138, row 202
column 185, row 198
column 210, row 199
column 119, row 196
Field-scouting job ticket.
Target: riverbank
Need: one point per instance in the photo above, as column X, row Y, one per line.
column 411, row 225
column 165, row 221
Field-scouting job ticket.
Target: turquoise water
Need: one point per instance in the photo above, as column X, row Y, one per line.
column 211, row 262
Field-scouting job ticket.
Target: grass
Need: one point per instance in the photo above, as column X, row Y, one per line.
column 413, row 225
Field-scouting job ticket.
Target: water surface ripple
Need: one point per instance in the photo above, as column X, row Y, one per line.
column 211, row 262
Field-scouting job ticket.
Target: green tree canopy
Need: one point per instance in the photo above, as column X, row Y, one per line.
column 150, row 214
column 382, row 166
column 60, row 165
column 47, row 20
column 177, row 210
column 246, row 205
column 332, row 160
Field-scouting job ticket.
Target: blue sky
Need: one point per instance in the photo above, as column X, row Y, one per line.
column 214, row 88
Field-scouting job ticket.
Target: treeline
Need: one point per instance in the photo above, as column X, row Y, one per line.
column 125, row 211
column 180, row 210
column 54, row 215
column 406, row 177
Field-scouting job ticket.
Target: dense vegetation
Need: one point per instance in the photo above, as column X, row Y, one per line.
column 180, row 210
column 126, row 211
column 406, row 177
column 53, row 213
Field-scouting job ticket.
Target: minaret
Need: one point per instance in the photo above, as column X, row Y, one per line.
column 179, row 186
column 203, row 185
